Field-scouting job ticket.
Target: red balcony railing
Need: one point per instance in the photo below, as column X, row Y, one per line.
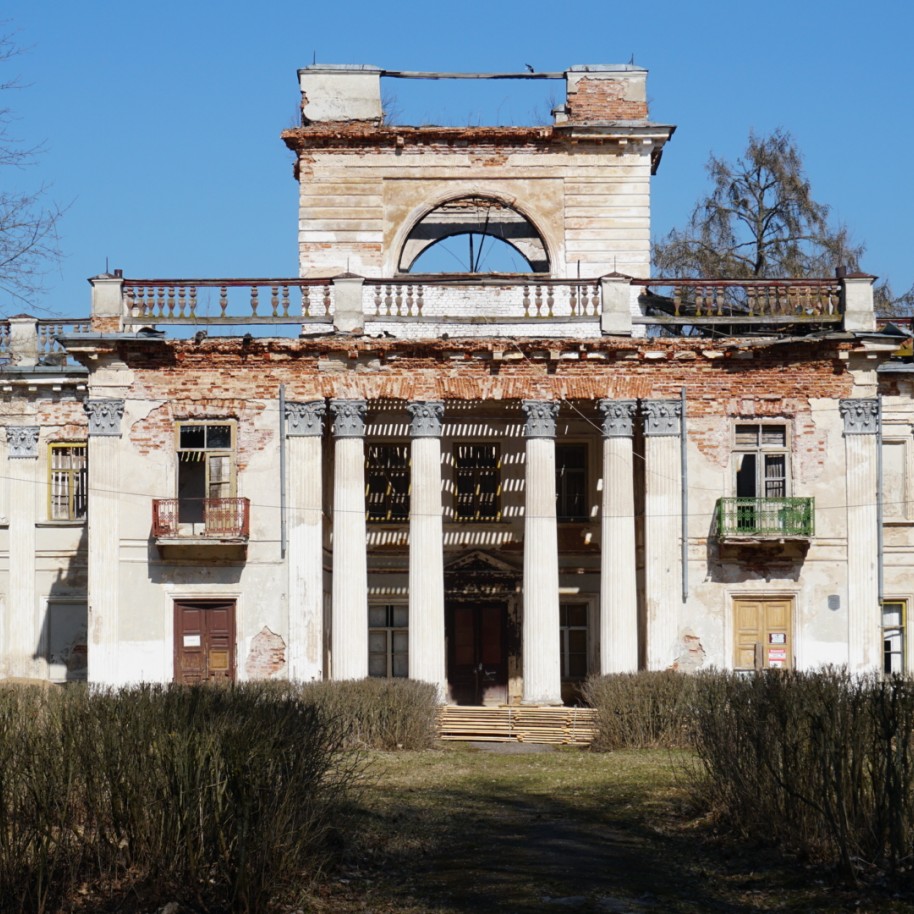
column 214, row 518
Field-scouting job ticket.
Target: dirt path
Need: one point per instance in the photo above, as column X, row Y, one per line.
column 462, row 830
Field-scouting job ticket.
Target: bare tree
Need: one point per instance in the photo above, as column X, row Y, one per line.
column 29, row 244
column 759, row 220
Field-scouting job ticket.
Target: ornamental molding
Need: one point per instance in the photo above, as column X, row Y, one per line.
column 861, row 417
column 305, row 420
column 348, row 418
column 22, row 440
column 662, row 417
column 541, row 418
column 104, row 416
column 425, row 418
column 618, row 417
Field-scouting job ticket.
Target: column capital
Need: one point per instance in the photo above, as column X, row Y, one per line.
column 104, row 417
column 348, row 418
column 305, row 420
column 618, row 417
column 662, row 417
column 22, row 440
column 541, row 418
column 861, row 416
column 425, row 418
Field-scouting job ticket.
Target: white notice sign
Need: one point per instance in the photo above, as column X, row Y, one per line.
column 191, row 641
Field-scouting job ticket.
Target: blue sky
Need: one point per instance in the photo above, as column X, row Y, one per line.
column 161, row 120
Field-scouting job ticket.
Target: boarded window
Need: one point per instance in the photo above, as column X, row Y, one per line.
column 387, row 482
column 477, row 480
column 69, row 484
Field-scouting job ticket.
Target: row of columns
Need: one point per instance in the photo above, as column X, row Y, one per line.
column 540, row 643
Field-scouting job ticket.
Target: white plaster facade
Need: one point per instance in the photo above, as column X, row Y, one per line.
column 473, row 480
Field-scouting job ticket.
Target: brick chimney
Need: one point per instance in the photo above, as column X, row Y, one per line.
column 606, row 92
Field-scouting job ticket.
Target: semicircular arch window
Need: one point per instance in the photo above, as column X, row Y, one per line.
column 474, row 234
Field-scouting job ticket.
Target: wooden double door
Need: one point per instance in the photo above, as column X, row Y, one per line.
column 762, row 634
column 204, row 641
column 477, row 653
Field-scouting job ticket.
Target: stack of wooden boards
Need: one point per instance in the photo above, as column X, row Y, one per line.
column 561, row 726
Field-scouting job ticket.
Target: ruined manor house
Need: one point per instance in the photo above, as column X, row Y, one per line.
column 497, row 481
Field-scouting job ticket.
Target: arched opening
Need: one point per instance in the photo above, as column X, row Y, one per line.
column 474, row 234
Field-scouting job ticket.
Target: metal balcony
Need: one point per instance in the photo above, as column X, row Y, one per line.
column 195, row 519
column 766, row 518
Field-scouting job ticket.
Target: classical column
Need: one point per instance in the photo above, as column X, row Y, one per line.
column 618, row 582
column 304, row 430
column 426, row 547
column 22, row 612
column 864, row 623
column 541, row 646
column 662, row 521
column 104, row 539
column 349, row 619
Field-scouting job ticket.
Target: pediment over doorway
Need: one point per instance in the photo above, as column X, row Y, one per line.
column 478, row 572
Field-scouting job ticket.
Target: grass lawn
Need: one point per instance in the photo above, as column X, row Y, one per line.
column 463, row 829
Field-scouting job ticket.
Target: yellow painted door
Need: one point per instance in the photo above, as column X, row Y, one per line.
column 762, row 634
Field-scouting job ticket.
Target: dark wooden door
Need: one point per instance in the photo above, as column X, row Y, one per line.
column 477, row 655
column 204, row 640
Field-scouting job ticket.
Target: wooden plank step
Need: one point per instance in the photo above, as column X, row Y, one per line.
column 528, row 724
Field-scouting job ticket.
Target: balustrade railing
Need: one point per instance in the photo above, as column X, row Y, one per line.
column 214, row 518
column 49, row 350
column 227, row 301
column 750, row 300
column 766, row 517
column 478, row 301
column 5, row 341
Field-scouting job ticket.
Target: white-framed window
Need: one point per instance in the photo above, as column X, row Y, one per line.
column 206, row 465
column 68, row 468
column 388, row 640
column 893, row 636
column 573, row 631
column 760, row 460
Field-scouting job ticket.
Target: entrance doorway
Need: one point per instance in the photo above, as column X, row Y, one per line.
column 762, row 634
column 477, row 653
column 204, row 640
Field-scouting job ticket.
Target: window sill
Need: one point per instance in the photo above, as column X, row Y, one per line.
column 81, row 522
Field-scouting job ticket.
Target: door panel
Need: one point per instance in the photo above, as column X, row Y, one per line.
column 204, row 641
column 762, row 634
column 477, row 657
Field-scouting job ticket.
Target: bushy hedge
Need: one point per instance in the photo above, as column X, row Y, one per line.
column 379, row 713
column 641, row 710
column 821, row 763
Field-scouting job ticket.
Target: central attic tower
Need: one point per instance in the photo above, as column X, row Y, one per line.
column 572, row 198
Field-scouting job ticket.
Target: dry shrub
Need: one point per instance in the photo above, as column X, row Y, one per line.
column 641, row 710
column 821, row 763
column 218, row 797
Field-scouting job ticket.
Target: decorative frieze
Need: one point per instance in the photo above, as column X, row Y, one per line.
column 22, row 440
column 425, row 418
column 541, row 418
column 861, row 417
column 662, row 417
column 348, row 418
column 305, row 420
column 618, row 417
column 105, row 416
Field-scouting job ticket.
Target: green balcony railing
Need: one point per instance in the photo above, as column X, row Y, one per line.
column 766, row 517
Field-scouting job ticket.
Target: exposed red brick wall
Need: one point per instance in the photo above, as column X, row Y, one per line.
column 226, row 377
column 602, row 100
column 105, row 324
